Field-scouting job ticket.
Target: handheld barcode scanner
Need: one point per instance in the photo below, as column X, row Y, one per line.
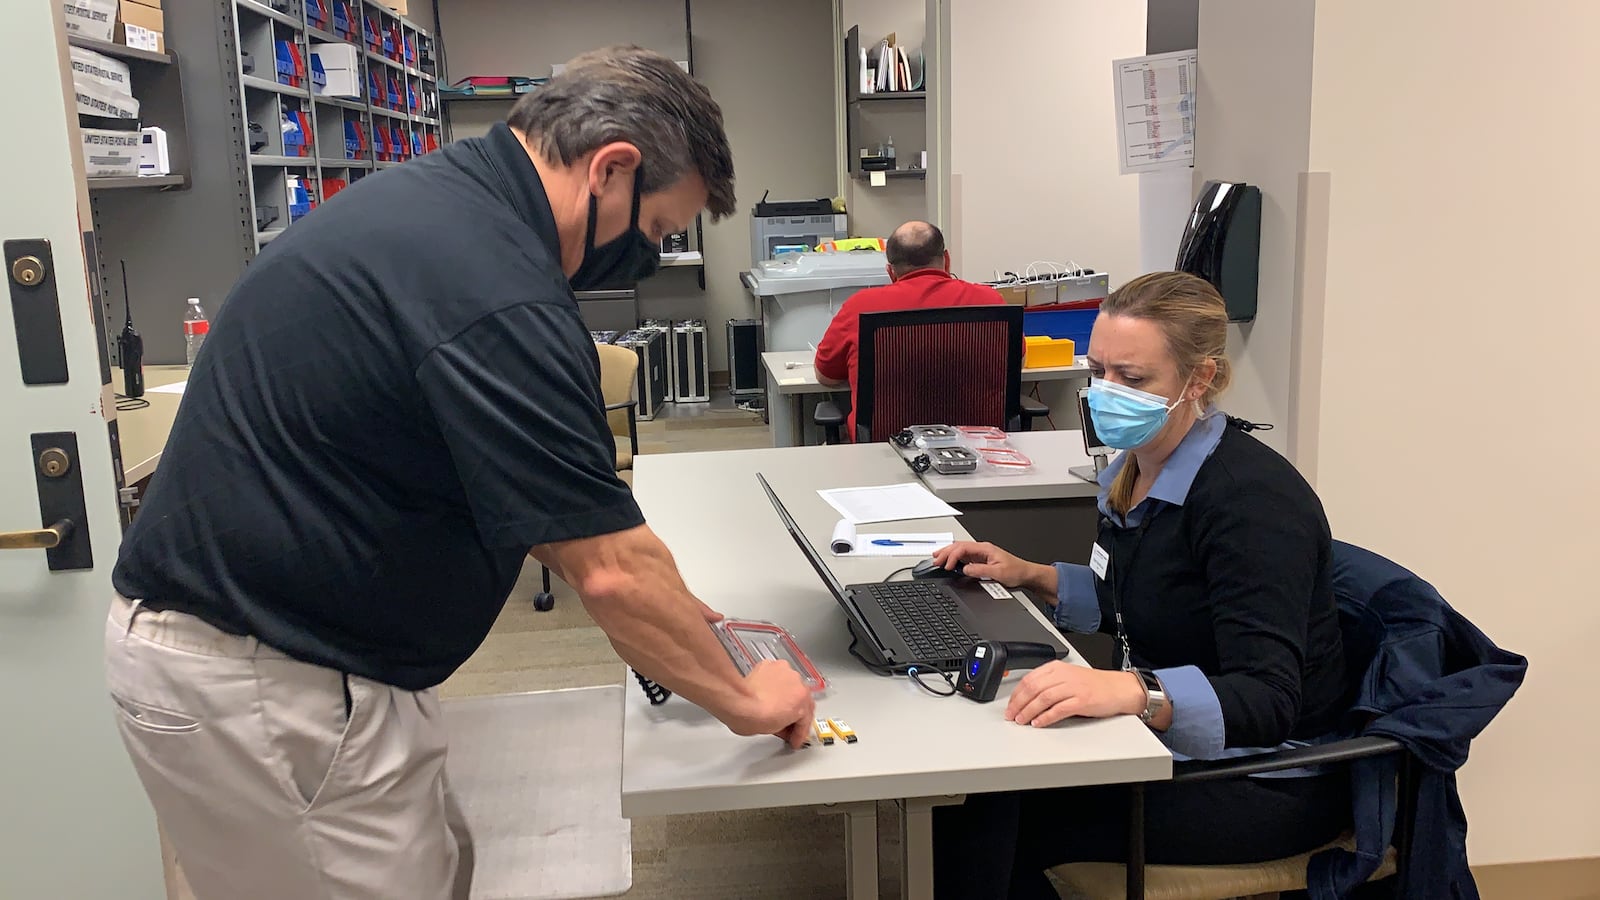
column 989, row 661
column 130, row 347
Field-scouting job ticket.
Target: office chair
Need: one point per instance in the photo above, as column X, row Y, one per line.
column 958, row 365
column 1371, row 593
column 618, row 366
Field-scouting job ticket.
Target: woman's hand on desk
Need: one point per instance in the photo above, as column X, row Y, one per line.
column 1058, row 690
column 988, row 561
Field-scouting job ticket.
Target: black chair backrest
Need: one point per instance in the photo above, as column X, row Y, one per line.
column 958, row 365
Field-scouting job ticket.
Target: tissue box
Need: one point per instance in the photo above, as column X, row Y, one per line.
column 109, row 154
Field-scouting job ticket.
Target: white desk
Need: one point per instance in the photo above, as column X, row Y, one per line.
column 787, row 411
column 143, row 432
column 916, row 748
column 1052, row 454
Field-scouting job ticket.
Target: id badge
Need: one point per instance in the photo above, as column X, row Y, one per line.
column 1098, row 560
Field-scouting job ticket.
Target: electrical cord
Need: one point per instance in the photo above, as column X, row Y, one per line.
column 915, row 673
column 129, row 404
column 912, row 670
column 890, row 577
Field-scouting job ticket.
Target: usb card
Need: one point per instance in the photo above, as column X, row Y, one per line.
column 824, row 731
column 844, row 731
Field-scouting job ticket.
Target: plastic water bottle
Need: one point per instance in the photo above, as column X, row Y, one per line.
column 195, row 327
column 888, row 150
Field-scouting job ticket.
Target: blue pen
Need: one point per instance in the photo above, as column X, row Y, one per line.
column 889, row 542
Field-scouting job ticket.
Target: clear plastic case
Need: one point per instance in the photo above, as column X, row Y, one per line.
column 1005, row 459
column 749, row 642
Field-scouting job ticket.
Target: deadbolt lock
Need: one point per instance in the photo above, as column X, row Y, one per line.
column 28, row 271
column 54, row 462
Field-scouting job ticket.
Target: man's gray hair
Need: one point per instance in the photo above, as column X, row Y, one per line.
column 630, row 94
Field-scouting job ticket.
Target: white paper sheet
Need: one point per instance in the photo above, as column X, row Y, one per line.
column 1155, row 99
column 887, row 503
column 174, row 388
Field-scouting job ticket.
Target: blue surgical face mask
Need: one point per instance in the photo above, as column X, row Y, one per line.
column 1125, row 417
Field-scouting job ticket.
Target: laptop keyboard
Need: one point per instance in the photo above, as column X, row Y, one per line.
column 926, row 618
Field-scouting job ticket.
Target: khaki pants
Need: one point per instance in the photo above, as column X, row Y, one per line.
column 266, row 788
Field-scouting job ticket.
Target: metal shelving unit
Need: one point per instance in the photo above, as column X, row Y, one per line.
column 326, row 123
column 156, row 182
column 191, row 234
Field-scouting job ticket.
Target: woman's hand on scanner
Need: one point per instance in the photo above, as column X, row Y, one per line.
column 988, row 561
column 1059, row 690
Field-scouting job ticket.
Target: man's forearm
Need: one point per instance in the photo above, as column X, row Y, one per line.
column 630, row 585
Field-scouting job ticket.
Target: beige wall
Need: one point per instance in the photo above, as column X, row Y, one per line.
column 1033, row 138
column 1257, row 128
column 526, row 37
column 1458, row 428
column 877, row 211
column 782, row 138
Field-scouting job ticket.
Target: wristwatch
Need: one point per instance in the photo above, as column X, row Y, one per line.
column 1155, row 695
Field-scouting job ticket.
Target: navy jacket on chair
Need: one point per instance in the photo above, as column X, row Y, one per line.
column 1433, row 682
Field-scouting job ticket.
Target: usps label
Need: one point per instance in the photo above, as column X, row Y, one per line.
column 142, row 38
column 1098, row 560
column 996, row 589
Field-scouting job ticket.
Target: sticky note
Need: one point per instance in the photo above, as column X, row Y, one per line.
column 878, row 179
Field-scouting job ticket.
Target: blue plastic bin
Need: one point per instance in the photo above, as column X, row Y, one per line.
column 1066, row 323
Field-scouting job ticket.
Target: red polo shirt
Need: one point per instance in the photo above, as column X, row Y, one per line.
column 837, row 354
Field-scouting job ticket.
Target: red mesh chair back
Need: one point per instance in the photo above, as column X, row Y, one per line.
column 957, row 365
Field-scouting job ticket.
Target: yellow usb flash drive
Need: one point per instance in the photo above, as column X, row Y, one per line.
column 845, row 732
column 824, row 732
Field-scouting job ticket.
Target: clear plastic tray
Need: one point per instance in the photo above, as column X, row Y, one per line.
column 1005, row 459
column 749, row 642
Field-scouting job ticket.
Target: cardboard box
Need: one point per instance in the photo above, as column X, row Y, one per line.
column 95, row 19
column 141, row 27
column 109, row 153
column 153, row 157
column 89, row 67
column 398, row 6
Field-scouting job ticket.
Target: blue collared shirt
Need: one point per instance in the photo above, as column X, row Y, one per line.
column 1197, row 730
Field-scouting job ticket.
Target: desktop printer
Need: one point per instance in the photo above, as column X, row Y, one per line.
column 777, row 226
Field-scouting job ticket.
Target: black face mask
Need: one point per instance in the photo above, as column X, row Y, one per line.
column 631, row 258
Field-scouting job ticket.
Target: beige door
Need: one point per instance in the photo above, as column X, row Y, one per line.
column 75, row 821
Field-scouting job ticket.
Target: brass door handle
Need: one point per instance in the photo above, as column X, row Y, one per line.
column 38, row 539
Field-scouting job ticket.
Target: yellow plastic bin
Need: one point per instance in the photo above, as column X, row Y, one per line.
column 1046, row 352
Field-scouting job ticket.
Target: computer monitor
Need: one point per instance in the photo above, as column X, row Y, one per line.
column 1092, row 444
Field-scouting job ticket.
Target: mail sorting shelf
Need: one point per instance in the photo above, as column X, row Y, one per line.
column 340, row 139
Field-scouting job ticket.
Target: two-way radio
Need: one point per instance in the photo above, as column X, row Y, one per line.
column 130, row 347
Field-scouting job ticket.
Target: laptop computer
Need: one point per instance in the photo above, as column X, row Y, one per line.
column 925, row 623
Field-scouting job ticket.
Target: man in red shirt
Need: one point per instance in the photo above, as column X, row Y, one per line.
column 919, row 267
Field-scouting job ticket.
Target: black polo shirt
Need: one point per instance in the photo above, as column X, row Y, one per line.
column 396, row 402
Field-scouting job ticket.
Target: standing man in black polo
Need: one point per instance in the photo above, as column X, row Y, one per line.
column 396, row 405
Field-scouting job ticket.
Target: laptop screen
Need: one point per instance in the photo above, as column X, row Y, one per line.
column 806, row 548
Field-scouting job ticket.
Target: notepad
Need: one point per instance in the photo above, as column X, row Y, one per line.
column 846, row 541
column 887, row 503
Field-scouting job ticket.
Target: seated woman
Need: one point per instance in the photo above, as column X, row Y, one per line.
column 1212, row 572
